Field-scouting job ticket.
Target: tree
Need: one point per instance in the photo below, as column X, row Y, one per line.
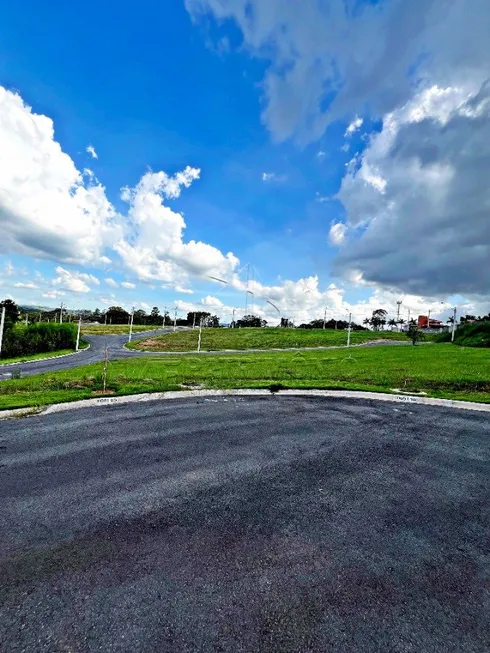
column 366, row 321
column 117, row 315
column 155, row 317
column 286, row 323
column 378, row 318
column 392, row 322
column 251, row 321
column 139, row 316
column 11, row 312
column 414, row 333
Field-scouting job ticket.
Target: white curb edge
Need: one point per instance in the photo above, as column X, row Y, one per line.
column 190, row 394
column 48, row 358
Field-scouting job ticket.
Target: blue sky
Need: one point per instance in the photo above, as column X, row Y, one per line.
column 249, row 94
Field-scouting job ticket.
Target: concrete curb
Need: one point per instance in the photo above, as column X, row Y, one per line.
column 213, row 394
column 39, row 360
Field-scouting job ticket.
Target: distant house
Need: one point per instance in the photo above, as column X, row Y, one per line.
column 433, row 324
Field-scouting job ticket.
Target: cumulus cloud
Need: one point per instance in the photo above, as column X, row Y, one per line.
column 314, row 75
column 48, row 209
column 417, row 200
column 157, row 250
column 76, row 282
column 111, row 282
column 91, row 150
column 53, row 294
column 128, row 285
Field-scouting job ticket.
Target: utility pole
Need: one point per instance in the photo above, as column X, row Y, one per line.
column 164, row 315
column 348, row 330
column 131, row 318
column 2, row 324
column 428, row 319
column 194, row 320
column 61, row 313
column 408, row 319
column 78, row 333
column 175, row 319
column 233, row 320
column 453, row 331
column 325, row 318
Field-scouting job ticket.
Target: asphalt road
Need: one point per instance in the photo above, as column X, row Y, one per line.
column 262, row 525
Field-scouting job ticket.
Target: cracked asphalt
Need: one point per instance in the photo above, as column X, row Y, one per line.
column 273, row 524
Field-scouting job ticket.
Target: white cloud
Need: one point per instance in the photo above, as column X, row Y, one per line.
column 354, row 126
column 91, row 150
column 337, row 234
column 185, row 291
column 76, row 282
column 419, row 197
column 46, row 208
column 321, row 154
column 157, row 251
column 8, row 269
column 27, row 285
column 273, row 177
column 111, row 282
column 315, row 76
column 128, row 285
column 53, row 294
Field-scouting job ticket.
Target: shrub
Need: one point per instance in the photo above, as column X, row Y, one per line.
column 38, row 338
column 476, row 334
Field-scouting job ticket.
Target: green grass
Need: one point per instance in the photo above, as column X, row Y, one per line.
column 114, row 329
column 239, row 339
column 46, row 354
column 440, row 370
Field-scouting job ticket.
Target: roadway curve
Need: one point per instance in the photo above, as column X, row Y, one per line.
column 236, row 524
column 115, row 346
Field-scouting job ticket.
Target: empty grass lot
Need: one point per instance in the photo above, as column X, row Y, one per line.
column 240, row 339
column 114, row 329
column 441, row 370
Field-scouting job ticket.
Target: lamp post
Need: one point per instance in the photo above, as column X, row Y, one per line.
column 131, row 325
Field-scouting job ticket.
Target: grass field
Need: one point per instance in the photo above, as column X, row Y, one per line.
column 46, row 354
column 440, row 370
column 239, row 339
column 113, row 329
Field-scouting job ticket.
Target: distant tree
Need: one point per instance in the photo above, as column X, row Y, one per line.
column 251, row 321
column 155, row 317
column 367, row 321
column 286, row 323
column 117, row 315
column 414, row 333
column 11, row 312
column 378, row 318
column 392, row 322
column 140, row 316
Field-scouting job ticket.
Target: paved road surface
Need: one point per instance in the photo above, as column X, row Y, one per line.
column 260, row 525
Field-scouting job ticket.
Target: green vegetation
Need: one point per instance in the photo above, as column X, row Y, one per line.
column 440, row 370
column 113, row 329
column 476, row 334
column 20, row 340
column 46, row 354
column 250, row 338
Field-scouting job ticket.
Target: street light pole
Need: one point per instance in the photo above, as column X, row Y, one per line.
column 199, row 337
column 348, row 330
column 131, row 325
column 453, row 330
column 325, row 317
column 78, row 333
column 2, row 324
column 428, row 319
column 61, row 313
column 175, row 319
column 164, row 315
column 233, row 319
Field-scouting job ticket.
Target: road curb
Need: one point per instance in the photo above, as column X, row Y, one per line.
column 210, row 394
column 48, row 358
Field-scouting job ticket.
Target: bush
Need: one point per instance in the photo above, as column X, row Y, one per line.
column 476, row 334
column 38, row 338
